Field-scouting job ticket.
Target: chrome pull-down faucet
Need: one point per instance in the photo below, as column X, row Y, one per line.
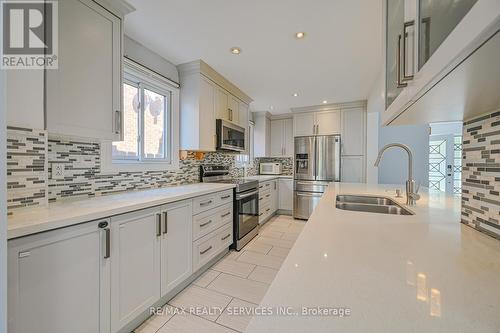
column 411, row 194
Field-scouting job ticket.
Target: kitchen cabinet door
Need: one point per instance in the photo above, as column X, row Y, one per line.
column 83, row 96
column 234, row 109
column 222, row 103
column 274, row 195
column 328, row 123
column 303, row 124
column 352, row 169
column 277, row 138
column 58, row 281
column 353, row 131
column 288, row 142
column 176, row 245
column 135, row 264
column 207, row 139
column 285, row 189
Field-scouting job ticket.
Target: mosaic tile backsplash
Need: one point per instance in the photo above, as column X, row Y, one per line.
column 26, row 165
column 481, row 174
column 31, row 154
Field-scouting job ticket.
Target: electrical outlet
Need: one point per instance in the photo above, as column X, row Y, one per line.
column 57, row 171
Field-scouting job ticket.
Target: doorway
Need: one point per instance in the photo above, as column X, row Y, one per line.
column 445, row 158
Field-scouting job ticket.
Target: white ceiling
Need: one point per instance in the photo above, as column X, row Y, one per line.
column 338, row 61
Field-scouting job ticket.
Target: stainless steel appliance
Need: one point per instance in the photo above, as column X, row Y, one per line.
column 270, row 168
column 317, row 163
column 229, row 136
column 246, row 202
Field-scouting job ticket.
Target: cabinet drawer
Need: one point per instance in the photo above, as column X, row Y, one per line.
column 209, row 201
column 206, row 222
column 265, row 186
column 264, row 212
column 204, row 249
column 225, row 236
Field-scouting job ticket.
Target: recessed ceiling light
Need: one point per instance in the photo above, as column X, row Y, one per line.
column 235, row 50
column 295, row 94
column 300, row 35
column 271, row 107
column 324, row 102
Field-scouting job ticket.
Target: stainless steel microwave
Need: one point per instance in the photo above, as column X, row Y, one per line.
column 230, row 136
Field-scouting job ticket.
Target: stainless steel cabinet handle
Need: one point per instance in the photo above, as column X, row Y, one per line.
column 224, row 215
column 118, row 122
column 225, row 237
column 268, row 184
column 107, row 238
column 399, row 84
column 309, row 194
column 225, row 197
column 158, row 225
column 261, row 214
column 261, row 199
column 406, row 25
column 205, row 251
column 205, row 224
column 206, row 203
column 268, row 195
column 107, row 249
column 165, row 222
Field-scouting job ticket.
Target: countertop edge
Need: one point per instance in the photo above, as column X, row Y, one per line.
column 23, row 230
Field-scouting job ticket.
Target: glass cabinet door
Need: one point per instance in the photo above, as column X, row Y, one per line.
column 437, row 21
column 394, row 29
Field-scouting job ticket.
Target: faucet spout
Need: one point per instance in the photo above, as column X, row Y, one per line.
column 402, row 146
column 411, row 194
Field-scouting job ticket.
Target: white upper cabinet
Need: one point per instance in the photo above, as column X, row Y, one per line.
column 304, row 124
column 244, row 121
column 205, row 97
column 83, row 96
column 353, row 131
column 353, row 169
column 427, row 42
column 281, row 137
column 328, row 123
column 198, row 113
column 262, row 134
column 317, row 123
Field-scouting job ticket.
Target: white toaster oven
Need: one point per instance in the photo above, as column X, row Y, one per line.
column 270, row 168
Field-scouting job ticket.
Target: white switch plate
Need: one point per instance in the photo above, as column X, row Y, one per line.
column 57, row 170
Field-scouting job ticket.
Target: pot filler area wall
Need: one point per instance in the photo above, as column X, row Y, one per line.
column 31, row 152
column 481, row 174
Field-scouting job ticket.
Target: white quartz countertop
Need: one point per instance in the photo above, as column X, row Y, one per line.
column 70, row 212
column 421, row 273
column 263, row 178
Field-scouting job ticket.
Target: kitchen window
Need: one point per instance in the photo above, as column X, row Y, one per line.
column 150, row 124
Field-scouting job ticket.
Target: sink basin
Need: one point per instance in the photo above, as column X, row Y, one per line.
column 364, row 199
column 370, row 204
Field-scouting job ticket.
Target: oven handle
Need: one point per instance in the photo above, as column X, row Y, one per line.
column 239, row 196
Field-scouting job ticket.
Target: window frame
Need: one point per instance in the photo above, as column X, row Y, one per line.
column 142, row 78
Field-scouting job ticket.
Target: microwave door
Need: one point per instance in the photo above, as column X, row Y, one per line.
column 328, row 158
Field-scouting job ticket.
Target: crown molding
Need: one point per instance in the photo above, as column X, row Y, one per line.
column 281, row 116
column 330, row 107
column 199, row 66
column 266, row 114
column 120, row 7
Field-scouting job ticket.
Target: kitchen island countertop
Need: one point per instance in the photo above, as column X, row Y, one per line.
column 422, row 273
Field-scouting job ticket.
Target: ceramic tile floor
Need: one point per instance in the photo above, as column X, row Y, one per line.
column 237, row 281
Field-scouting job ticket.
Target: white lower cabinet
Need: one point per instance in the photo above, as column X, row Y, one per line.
column 100, row 276
column 268, row 199
column 176, row 240
column 135, row 264
column 59, row 281
column 285, row 194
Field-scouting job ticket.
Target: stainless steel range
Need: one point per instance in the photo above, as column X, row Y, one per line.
column 246, row 202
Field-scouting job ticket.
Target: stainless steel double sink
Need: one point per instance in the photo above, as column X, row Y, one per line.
column 371, row 204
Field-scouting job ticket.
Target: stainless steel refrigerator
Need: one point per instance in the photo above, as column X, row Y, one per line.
column 317, row 163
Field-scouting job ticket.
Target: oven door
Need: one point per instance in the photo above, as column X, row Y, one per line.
column 247, row 212
column 230, row 136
